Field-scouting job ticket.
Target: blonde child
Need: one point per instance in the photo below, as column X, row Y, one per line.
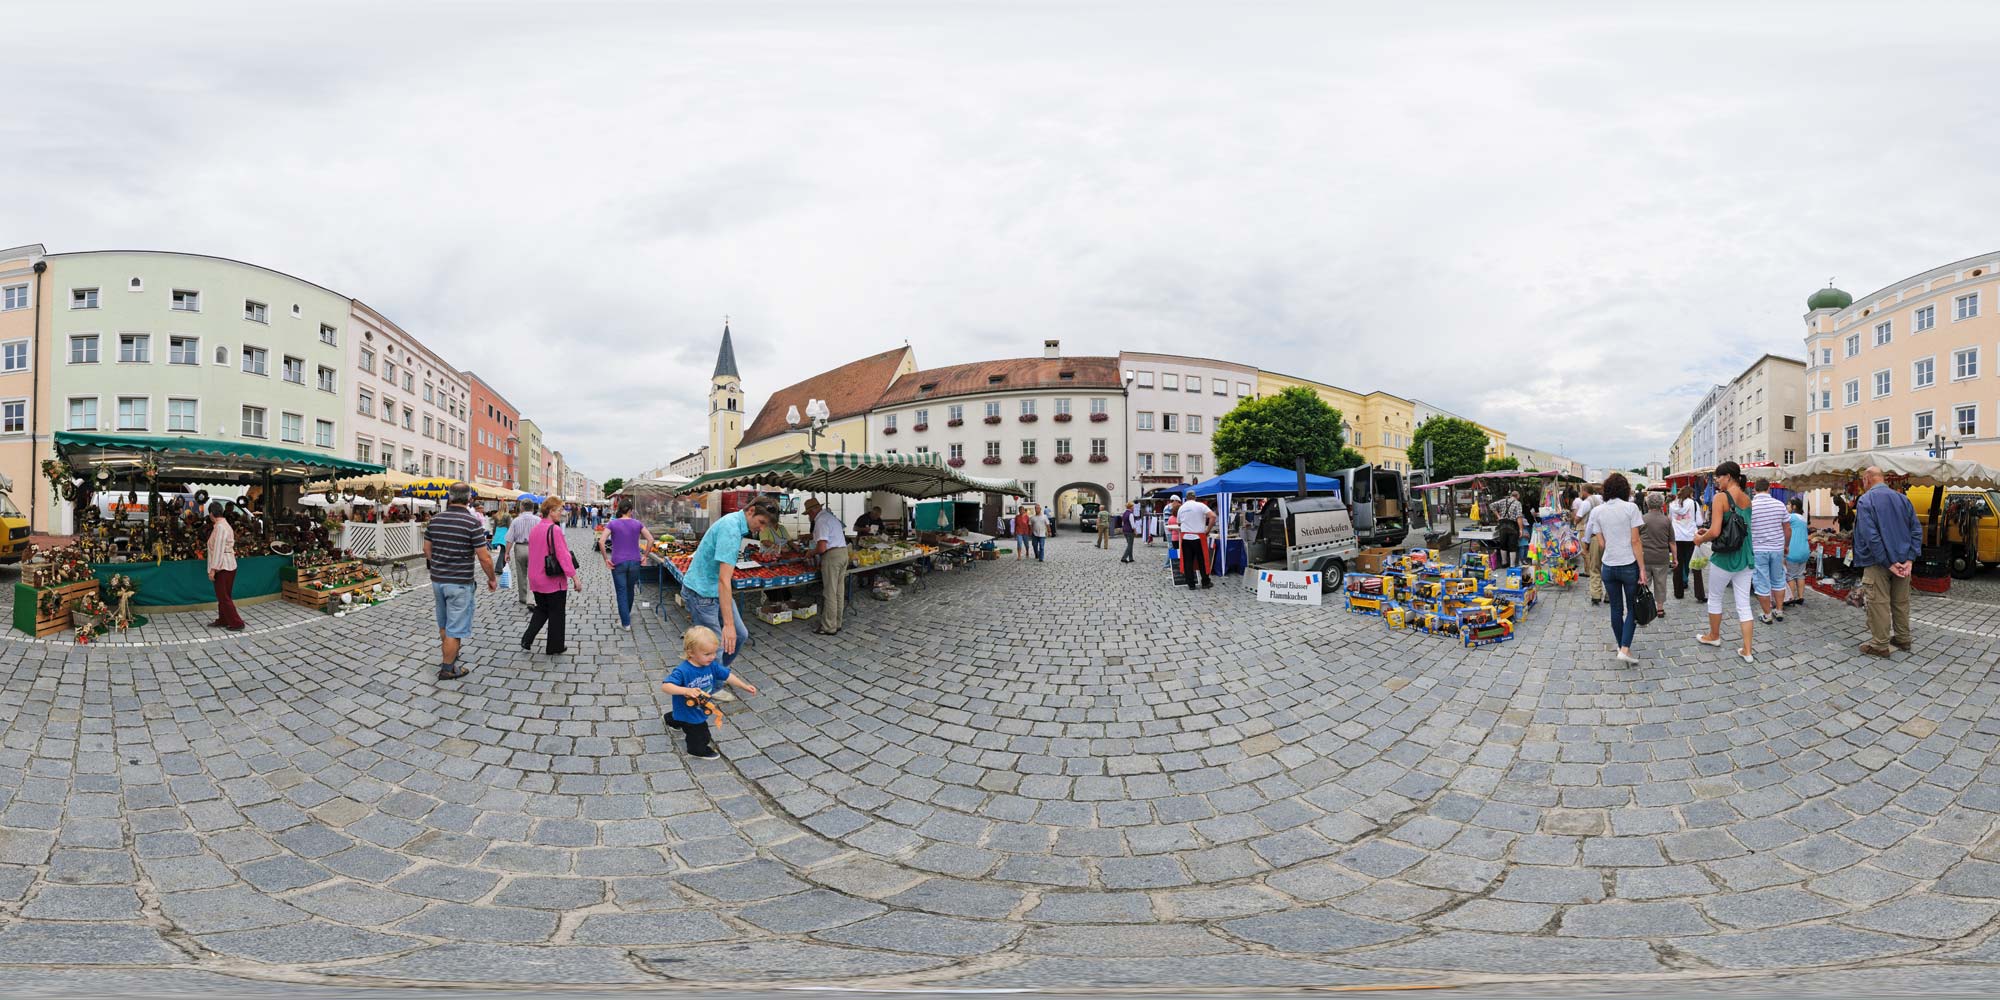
column 699, row 675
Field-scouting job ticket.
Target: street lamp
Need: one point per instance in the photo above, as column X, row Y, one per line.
column 816, row 416
column 1130, row 466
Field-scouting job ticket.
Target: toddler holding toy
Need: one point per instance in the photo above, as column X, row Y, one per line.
column 692, row 683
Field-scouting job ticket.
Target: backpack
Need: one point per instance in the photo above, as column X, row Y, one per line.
column 1733, row 535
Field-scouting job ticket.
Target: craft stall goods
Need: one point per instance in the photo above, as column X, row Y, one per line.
column 54, row 583
column 1553, row 550
column 1473, row 601
column 329, row 583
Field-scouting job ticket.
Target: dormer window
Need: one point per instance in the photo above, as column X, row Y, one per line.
column 995, row 379
column 1067, row 375
column 927, row 386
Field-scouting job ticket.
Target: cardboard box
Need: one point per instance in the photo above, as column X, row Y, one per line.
column 1372, row 560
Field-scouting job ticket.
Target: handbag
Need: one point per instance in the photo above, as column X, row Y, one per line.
column 1644, row 608
column 1733, row 535
column 551, row 566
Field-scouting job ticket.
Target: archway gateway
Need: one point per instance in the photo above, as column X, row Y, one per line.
column 1070, row 498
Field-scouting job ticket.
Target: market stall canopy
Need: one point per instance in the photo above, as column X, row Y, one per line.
column 201, row 459
column 383, row 479
column 1832, row 471
column 917, row 476
column 1257, row 477
column 1498, row 476
column 429, row 489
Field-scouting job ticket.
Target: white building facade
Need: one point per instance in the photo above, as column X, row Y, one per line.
column 411, row 410
column 1174, row 402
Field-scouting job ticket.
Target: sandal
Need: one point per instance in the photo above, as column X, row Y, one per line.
column 451, row 671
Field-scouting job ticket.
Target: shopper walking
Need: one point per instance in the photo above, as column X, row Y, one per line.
column 453, row 541
column 829, row 541
column 1022, row 530
column 518, row 530
column 1656, row 531
column 1768, row 530
column 549, row 550
column 1796, row 552
column 1038, row 530
column 1128, row 522
column 1104, row 527
column 1194, row 519
column 1729, row 562
column 1593, row 552
column 1887, row 542
column 1618, row 522
column 624, row 543
column 1685, row 514
column 222, row 567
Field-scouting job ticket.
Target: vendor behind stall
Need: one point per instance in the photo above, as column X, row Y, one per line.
column 869, row 523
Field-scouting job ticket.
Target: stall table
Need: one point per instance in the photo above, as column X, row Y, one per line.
column 183, row 584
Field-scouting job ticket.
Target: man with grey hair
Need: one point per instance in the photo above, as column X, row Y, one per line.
column 1656, row 537
column 453, row 542
column 1887, row 542
column 524, row 525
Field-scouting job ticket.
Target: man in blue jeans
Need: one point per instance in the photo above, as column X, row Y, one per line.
column 453, row 541
column 707, row 588
column 1770, row 536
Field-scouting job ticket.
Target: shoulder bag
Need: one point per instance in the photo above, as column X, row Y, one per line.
column 551, row 566
column 1733, row 535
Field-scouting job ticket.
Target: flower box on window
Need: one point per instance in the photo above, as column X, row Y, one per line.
column 1029, row 418
column 1100, row 458
column 920, row 427
column 1065, row 458
column 954, row 462
column 891, row 429
column 991, row 460
column 1062, row 418
column 1029, row 459
column 1098, row 418
column 954, row 423
column 994, row 419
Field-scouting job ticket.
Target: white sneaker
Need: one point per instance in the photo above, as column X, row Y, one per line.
column 1624, row 657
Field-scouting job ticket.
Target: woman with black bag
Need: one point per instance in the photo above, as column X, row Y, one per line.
column 1728, row 536
column 1624, row 573
column 551, row 565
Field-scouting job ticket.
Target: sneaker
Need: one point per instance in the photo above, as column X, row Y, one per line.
column 1779, row 615
column 1767, row 618
column 1627, row 658
column 710, row 755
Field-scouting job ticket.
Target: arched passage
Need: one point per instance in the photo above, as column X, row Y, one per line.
column 1070, row 498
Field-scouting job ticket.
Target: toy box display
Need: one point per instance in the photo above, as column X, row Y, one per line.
column 1474, row 601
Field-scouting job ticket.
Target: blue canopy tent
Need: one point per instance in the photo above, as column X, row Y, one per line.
column 1176, row 490
column 1255, row 479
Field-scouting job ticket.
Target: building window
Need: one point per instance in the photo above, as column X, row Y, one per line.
column 364, row 451
column 186, row 301
column 295, row 370
column 1028, row 448
column 1145, row 461
column 366, row 404
column 14, row 356
column 14, row 416
column 1852, row 436
column 1851, row 392
column 328, row 335
column 256, row 361
column 992, row 449
column 323, row 433
column 1965, row 419
column 14, row 297
column 253, row 422
column 1097, row 404
column 325, row 379
column 888, row 421
column 1923, row 319
column 256, row 312
column 1062, row 406
column 1926, row 424
column 183, row 415
column 1194, row 423
column 1965, row 306
column 388, row 410
column 1923, row 372
column 1853, row 344
column 1881, row 434
column 1145, row 380
column 1242, row 389
column 135, row 348
column 292, row 427
column 993, row 409
column 83, row 349
column 368, row 361
column 1170, row 462
column 1825, row 443
column 1170, row 422
column 1169, row 380
column 1882, row 333
column 428, row 398
column 1194, row 465
column 958, row 453
column 1791, row 422
column 410, row 381
column 956, row 412
column 1062, row 446
column 1193, row 385
column 1221, row 387
column 83, row 298
column 222, row 355
column 429, row 431
column 1790, row 456
column 83, row 413
column 1096, row 447
column 1826, row 355
column 1965, row 363
column 183, row 350
column 132, row 413
column 1145, row 420
column 1027, row 407
column 1881, row 384
column 389, row 372
column 924, row 417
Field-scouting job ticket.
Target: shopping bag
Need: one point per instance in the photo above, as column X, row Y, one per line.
column 1644, row 609
column 506, row 579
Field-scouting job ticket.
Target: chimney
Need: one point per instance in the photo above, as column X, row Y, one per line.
column 1052, row 348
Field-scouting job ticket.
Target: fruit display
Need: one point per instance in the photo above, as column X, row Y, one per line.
column 864, row 558
column 783, row 570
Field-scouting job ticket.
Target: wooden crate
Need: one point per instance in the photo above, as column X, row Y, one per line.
column 27, row 600
column 308, row 597
column 305, row 575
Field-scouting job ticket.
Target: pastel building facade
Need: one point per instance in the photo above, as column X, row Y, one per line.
column 1377, row 424
column 25, row 418
column 531, row 459
column 1760, row 415
column 412, row 409
column 496, row 438
column 1173, row 404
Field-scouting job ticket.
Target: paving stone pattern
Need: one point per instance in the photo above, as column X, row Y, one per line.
column 1060, row 774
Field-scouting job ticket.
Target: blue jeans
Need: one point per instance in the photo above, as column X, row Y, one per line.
column 1621, row 584
column 707, row 611
column 625, row 580
column 1768, row 574
column 1038, row 547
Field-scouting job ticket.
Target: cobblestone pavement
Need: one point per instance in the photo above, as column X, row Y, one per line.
column 1063, row 775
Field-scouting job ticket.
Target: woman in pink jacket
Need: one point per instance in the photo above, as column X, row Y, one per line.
column 551, row 601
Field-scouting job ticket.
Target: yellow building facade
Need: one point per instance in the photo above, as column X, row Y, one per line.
column 1378, row 424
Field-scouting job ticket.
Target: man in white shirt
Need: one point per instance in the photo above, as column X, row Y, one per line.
column 1195, row 519
column 829, row 542
column 1685, row 514
column 519, row 529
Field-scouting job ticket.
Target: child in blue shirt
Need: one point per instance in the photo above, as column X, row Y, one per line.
column 697, row 675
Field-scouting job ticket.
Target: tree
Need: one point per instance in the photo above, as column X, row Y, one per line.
column 1278, row 429
column 612, row 486
column 1458, row 447
column 1508, row 464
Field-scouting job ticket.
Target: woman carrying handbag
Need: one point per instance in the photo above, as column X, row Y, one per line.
column 551, row 566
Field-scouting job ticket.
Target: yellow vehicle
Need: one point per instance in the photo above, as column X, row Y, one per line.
column 15, row 522
column 1971, row 526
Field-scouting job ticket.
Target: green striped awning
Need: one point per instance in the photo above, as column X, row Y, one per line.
column 917, row 476
column 191, row 457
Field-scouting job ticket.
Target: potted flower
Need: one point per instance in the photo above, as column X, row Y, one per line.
column 890, row 429
column 1029, row 418
column 1098, row 418
column 1062, row 418
column 920, row 427
column 991, row 460
column 1100, row 458
column 955, row 462
column 1065, row 458
column 994, row 419
column 954, row 422
column 1029, row 459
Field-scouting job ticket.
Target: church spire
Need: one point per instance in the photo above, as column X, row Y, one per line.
column 725, row 359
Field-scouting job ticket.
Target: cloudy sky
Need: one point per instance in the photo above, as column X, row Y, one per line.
column 1566, row 220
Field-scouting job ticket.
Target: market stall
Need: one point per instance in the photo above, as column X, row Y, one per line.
column 1841, row 472
column 161, row 546
column 1256, row 481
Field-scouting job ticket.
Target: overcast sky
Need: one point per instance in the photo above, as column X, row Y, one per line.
column 1565, row 220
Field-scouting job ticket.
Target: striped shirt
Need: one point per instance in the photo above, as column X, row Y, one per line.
column 1767, row 523
column 454, row 535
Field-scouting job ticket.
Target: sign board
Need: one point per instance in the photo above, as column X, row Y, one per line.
column 1313, row 529
column 1278, row 587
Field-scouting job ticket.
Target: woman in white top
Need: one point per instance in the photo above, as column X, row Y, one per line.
column 1617, row 523
column 1685, row 514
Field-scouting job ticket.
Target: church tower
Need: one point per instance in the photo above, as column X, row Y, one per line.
column 725, row 407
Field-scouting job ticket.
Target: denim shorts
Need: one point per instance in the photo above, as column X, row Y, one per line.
column 1795, row 570
column 1769, row 570
column 454, row 608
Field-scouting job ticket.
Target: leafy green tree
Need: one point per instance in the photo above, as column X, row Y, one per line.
column 1508, row 464
column 1458, row 447
column 1279, row 429
column 612, row 486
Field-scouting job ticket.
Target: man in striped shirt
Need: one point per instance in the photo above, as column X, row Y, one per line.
column 453, row 540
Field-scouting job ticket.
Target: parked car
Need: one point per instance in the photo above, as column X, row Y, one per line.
column 1087, row 520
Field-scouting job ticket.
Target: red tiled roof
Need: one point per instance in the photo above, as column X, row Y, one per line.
column 849, row 390
column 1012, row 374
